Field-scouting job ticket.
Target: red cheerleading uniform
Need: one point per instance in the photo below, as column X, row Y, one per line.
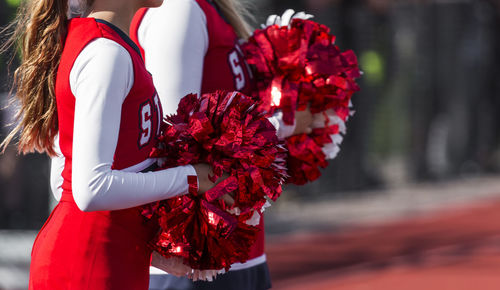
column 224, row 68
column 101, row 249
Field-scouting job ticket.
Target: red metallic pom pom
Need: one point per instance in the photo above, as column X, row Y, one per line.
column 297, row 66
column 228, row 132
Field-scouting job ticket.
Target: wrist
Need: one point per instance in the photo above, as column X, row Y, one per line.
column 192, row 184
column 283, row 130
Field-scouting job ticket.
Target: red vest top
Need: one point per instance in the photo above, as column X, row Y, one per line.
column 141, row 109
column 224, row 67
column 104, row 249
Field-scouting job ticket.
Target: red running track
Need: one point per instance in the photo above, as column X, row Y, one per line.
column 456, row 249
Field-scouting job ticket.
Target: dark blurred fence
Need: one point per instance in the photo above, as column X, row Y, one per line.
column 24, row 180
column 430, row 99
column 430, row 93
column 24, row 187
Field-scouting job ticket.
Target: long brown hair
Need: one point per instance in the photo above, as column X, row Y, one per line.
column 236, row 11
column 39, row 31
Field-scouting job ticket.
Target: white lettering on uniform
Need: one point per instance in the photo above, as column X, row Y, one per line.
column 239, row 76
column 145, row 124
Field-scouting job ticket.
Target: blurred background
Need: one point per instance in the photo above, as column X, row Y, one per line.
column 412, row 201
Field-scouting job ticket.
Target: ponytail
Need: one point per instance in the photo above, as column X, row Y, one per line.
column 39, row 33
column 236, row 12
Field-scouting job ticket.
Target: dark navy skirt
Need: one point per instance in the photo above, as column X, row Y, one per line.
column 253, row 278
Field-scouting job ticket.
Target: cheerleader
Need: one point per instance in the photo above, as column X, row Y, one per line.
column 191, row 46
column 84, row 81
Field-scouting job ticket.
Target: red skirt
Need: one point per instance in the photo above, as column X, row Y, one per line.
column 96, row 250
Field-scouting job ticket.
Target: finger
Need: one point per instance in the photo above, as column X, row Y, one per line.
column 271, row 20
column 287, row 15
column 277, row 21
column 302, row 15
column 318, row 121
column 299, row 15
column 308, row 16
column 223, row 176
column 228, row 200
column 306, row 115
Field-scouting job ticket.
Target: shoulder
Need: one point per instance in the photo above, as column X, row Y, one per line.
column 93, row 38
column 180, row 4
column 103, row 61
column 175, row 21
column 176, row 10
column 102, row 48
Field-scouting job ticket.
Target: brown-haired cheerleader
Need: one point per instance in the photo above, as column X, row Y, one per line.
column 86, row 97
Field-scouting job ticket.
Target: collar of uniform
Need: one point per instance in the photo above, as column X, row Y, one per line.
column 211, row 2
column 122, row 34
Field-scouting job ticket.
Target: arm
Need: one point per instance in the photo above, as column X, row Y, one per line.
column 56, row 168
column 175, row 40
column 282, row 130
column 100, row 80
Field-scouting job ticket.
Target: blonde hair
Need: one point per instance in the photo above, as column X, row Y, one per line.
column 39, row 31
column 236, row 12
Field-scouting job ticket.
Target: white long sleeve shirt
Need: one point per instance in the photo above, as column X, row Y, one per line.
column 100, row 79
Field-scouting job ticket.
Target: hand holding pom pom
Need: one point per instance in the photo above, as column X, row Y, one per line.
column 297, row 68
column 303, row 121
column 240, row 166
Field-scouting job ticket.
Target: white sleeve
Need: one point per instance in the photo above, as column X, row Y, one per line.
column 56, row 168
column 175, row 40
column 100, row 79
column 282, row 130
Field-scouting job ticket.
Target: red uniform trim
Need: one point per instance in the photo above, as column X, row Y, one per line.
column 134, row 28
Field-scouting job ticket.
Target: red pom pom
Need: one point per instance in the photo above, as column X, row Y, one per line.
column 227, row 131
column 297, row 66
